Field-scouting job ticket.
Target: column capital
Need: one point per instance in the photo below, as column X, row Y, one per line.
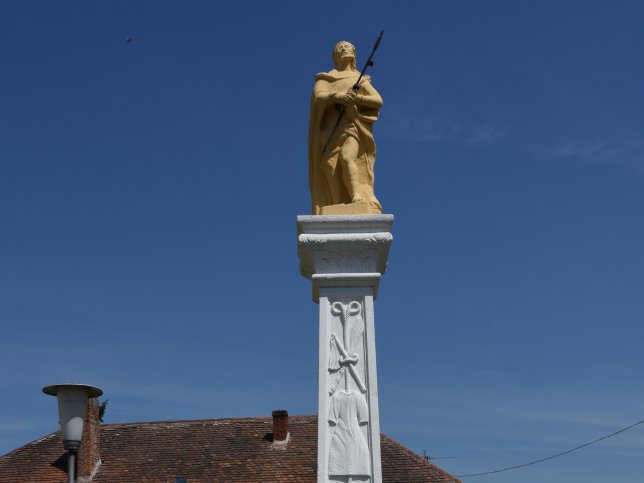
column 344, row 250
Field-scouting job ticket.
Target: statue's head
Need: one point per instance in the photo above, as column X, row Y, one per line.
column 344, row 50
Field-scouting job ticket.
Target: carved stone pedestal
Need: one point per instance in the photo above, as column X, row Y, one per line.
column 344, row 257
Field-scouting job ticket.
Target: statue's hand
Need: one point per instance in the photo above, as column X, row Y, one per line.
column 348, row 98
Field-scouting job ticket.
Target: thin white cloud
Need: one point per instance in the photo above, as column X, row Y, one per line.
column 556, row 408
column 18, row 425
column 627, row 152
column 487, row 134
column 442, row 129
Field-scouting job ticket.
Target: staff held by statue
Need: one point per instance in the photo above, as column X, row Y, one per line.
column 356, row 88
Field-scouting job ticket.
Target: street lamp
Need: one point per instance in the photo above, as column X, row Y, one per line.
column 72, row 406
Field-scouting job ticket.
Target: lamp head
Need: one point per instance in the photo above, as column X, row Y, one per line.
column 72, row 405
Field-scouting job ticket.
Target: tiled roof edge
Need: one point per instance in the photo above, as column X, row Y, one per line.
column 417, row 457
column 34, row 442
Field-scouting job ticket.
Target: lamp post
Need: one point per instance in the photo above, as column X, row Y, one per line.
column 72, row 406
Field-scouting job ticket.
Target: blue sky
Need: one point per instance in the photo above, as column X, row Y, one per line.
column 148, row 195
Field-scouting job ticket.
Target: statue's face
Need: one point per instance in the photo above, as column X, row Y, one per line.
column 344, row 51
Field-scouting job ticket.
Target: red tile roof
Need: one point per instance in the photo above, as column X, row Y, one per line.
column 214, row 450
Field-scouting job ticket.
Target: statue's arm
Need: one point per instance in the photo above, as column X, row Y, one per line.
column 369, row 96
column 321, row 92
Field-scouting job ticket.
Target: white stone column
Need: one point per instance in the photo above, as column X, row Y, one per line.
column 344, row 257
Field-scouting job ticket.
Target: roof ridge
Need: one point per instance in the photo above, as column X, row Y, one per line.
column 206, row 420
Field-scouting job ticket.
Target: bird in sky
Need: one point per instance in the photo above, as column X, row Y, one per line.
column 101, row 409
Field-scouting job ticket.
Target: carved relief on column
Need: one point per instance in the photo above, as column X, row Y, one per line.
column 343, row 252
column 348, row 412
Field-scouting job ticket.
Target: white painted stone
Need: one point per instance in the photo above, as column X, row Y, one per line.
column 338, row 246
column 345, row 257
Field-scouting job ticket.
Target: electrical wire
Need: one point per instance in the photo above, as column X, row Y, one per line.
column 553, row 456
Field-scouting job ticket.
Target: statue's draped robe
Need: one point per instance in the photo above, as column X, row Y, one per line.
column 324, row 115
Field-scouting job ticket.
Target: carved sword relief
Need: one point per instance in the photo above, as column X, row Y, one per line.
column 348, row 411
column 339, row 359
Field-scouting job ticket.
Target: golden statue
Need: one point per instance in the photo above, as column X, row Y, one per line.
column 342, row 151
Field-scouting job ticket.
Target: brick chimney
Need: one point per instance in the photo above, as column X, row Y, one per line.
column 280, row 425
column 89, row 453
